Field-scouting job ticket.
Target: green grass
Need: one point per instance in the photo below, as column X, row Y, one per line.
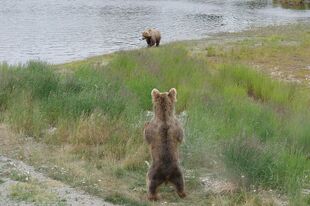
column 256, row 125
column 33, row 193
column 18, row 176
column 119, row 199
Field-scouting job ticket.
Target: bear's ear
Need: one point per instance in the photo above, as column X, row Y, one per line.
column 155, row 93
column 173, row 94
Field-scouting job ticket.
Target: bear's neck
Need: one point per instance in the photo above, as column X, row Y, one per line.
column 163, row 115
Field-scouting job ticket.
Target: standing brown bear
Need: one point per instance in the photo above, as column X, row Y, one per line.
column 152, row 37
column 164, row 134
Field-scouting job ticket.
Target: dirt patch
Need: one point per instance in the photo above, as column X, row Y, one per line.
column 66, row 194
column 219, row 186
column 15, row 175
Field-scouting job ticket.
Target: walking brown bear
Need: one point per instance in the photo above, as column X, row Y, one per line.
column 152, row 37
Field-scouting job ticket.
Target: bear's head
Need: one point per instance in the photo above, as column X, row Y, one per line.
column 164, row 103
column 146, row 34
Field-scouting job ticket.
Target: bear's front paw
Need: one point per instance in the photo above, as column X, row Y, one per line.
column 146, row 124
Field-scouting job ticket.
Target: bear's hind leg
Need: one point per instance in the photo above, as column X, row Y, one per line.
column 154, row 181
column 153, row 185
column 177, row 180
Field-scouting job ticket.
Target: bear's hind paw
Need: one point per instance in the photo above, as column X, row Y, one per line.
column 153, row 197
column 182, row 194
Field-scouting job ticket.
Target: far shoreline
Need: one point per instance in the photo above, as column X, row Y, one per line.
column 212, row 38
column 207, row 37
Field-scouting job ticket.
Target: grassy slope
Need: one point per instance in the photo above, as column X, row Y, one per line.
column 258, row 127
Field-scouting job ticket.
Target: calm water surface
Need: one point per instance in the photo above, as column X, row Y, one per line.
column 59, row 31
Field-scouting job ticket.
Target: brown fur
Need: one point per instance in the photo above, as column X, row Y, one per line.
column 164, row 135
column 152, row 37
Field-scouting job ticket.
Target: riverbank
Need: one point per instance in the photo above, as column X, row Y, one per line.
column 244, row 99
column 294, row 4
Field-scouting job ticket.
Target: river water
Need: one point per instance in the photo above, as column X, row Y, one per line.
column 59, row 31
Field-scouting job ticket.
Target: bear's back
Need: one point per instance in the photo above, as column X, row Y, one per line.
column 164, row 144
